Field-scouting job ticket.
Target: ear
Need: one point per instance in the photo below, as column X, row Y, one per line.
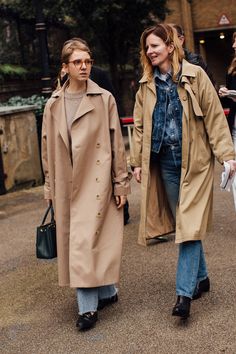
column 64, row 68
column 171, row 48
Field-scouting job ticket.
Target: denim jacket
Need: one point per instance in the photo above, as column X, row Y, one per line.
column 167, row 115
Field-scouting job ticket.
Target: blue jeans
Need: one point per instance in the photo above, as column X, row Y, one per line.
column 87, row 298
column 191, row 268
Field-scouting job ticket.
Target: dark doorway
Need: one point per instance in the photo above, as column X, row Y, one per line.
column 218, row 51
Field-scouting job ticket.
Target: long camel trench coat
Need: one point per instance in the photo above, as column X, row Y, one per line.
column 205, row 136
column 89, row 225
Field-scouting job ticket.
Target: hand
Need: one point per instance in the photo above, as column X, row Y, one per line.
column 120, row 200
column 232, row 164
column 137, row 174
column 223, row 91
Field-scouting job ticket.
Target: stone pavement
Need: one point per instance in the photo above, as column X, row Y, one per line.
column 36, row 316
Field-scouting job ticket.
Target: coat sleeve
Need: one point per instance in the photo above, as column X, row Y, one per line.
column 214, row 120
column 47, row 190
column 120, row 177
column 137, row 142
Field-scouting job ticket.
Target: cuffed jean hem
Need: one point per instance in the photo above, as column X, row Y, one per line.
column 87, row 298
column 202, row 278
column 181, row 293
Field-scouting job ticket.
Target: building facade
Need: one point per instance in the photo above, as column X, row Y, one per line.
column 208, row 26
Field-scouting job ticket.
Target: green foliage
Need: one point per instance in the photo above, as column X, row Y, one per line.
column 112, row 28
column 117, row 25
column 36, row 100
column 9, row 70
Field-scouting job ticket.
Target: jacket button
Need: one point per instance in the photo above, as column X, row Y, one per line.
column 97, row 232
column 98, row 145
column 98, row 197
column 185, row 98
column 99, row 215
column 98, row 162
column 97, row 180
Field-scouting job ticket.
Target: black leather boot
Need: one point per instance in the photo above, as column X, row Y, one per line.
column 203, row 287
column 87, row 320
column 182, row 307
column 109, row 301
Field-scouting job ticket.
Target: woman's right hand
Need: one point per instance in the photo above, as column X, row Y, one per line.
column 223, row 91
column 137, row 174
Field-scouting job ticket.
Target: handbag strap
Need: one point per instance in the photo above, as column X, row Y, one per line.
column 50, row 208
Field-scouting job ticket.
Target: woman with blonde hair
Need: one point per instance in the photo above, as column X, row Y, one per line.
column 86, row 181
column 179, row 128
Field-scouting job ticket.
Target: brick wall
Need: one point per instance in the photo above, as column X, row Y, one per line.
column 206, row 14
column 205, row 21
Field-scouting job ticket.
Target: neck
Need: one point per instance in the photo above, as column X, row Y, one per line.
column 164, row 68
column 77, row 86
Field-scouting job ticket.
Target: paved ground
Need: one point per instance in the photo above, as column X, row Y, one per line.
column 36, row 316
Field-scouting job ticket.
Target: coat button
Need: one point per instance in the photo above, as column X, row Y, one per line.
column 98, row 197
column 185, row 98
column 97, row 180
column 98, row 145
column 98, row 162
column 97, row 232
column 99, row 215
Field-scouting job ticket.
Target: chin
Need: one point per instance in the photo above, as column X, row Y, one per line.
column 155, row 63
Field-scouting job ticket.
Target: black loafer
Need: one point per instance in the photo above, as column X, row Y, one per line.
column 182, row 307
column 87, row 320
column 109, row 301
column 203, row 287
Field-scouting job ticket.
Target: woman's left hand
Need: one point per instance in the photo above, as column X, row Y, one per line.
column 232, row 164
column 120, row 201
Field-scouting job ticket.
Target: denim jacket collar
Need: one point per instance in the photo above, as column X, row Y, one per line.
column 187, row 72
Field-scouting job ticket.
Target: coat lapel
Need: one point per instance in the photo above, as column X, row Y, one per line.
column 85, row 106
column 60, row 115
column 196, row 108
column 188, row 72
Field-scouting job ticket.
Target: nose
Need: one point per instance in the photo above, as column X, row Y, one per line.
column 234, row 44
column 149, row 50
column 83, row 66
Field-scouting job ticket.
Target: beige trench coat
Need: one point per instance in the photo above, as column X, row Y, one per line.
column 205, row 135
column 89, row 225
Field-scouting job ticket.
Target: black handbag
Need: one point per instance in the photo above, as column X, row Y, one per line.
column 46, row 245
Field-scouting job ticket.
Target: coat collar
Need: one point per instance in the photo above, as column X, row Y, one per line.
column 187, row 71
column 58, row 105
column 190, row 71
column 92, row 89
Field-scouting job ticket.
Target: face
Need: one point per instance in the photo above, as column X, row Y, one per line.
column 157, row 51
column 234, row 45
column 181, row 39
column 79, row 66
